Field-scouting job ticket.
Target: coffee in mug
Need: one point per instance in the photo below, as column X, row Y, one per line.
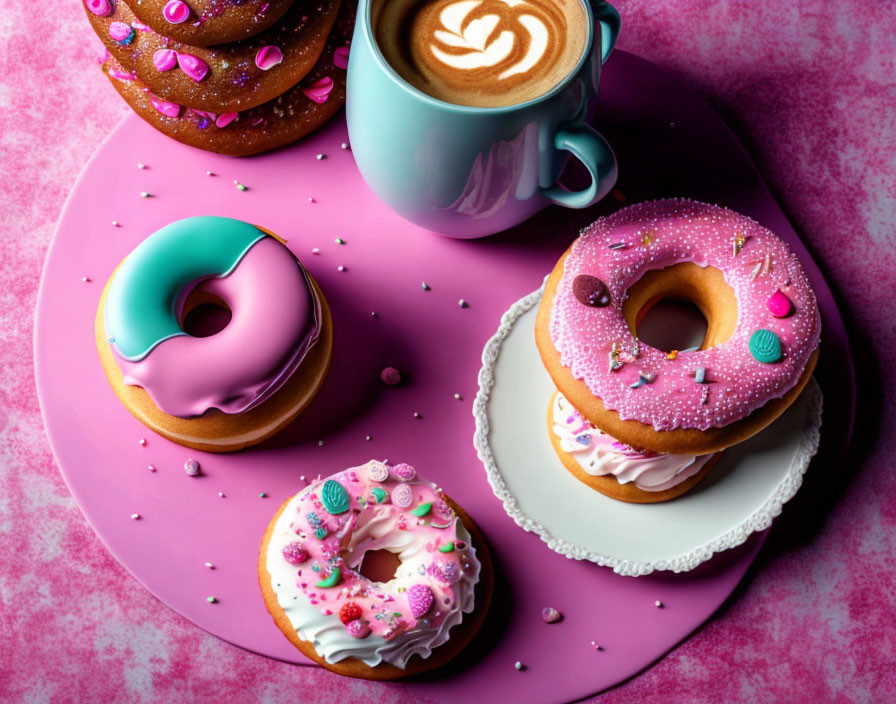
column 481, row 53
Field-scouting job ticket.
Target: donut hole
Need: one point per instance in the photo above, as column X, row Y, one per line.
column 379, row 565
column 681, row 306
column 203, row 314
column 672, row 324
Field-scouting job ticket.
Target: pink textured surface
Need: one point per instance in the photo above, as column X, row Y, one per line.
column 810, row 93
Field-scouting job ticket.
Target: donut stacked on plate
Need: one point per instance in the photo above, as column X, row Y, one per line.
column 642, row 424
column 231, row 76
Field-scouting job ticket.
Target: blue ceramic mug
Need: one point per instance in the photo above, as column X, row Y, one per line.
column 471, row 171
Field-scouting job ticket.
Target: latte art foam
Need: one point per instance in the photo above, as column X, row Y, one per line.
column 481, row 52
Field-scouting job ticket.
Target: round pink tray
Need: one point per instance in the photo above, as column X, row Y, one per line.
column 668, row 142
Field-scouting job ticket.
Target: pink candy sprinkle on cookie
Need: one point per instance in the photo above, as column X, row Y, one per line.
column 121, row 32
column 193, row 66
column 225, row 118
column 164, row 59
column 340, row 57
column 320, row 90
column 176, row 12
column 268, row 57
column 164, row 107
column 100, row 8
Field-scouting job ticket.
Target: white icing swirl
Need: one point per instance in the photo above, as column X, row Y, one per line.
column 599, row 454
column 324, row 631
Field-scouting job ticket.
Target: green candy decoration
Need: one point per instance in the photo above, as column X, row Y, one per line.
column 447, row 547
column 765, row 346
column 379, row 494
column 331, row 581
column 422, row 509
column 334, row 497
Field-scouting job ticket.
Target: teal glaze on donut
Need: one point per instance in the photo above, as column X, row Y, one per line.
column 140, row 304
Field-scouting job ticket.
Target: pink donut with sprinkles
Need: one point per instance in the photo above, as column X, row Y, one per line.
column 762, row 337
column 312, row 568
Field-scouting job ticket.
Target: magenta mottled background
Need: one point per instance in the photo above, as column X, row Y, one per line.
column 810, row 88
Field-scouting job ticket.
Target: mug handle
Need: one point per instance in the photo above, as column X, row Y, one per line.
column 608, row 18
column 586, row 145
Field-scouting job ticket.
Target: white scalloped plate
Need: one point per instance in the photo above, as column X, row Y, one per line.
column 741, row 495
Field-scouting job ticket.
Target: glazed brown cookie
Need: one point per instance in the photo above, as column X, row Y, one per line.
column 208, row 22
column 289, row 117
column 225, row 78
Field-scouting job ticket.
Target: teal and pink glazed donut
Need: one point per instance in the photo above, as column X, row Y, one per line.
column 276, row 320
column 312, row 578
column 761, row 344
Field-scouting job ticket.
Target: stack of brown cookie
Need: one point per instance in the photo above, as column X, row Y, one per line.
column 231, row 76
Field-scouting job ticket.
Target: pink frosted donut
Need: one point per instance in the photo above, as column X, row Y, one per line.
column 310, row 562
column 210, row 387
column 763, row 326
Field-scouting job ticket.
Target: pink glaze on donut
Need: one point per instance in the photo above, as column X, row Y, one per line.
column 274, row 322
column 701, row 388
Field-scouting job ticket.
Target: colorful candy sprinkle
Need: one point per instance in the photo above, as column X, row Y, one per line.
column 191, row 467
column 519, row 666
column 642, row 379
column 779, row 305
column 225, row 118
column 447, row 547
column 122, row 33
column 295, row 553
column 379, row 494
column 425, row 286
column 402, row 496
column 378, row 471
column 738, row 243
column 164, row 59
column 193, row 66
column 334, row 497
column 550, row 614
column 405, row 472
column 349, row 612
column 267, row 57
column 334, row 578
column 422, row 510
column 176, row 12
column 420, row 599
column 320, row 90
column 211, row 600
column 765, row 346
column 166, row 108
column 463, row 304
column 100, row 8
column 340, row 57
column 358, row 628
column 591, row 291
